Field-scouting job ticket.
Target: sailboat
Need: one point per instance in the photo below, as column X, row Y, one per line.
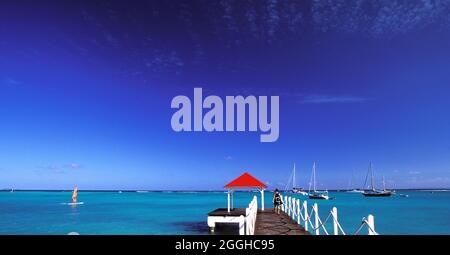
column 351, row 188
column 316, row 194
column 374, row 192
column 295, row 189
column 385, row 190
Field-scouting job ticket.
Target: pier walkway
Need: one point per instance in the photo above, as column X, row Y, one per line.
column 270, row 223
column 295, row 218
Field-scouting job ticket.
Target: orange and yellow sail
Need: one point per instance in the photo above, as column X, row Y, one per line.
column 74, row 195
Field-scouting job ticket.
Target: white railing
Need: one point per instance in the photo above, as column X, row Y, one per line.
column 250, row 216
column 245, row 222
column 299, row 213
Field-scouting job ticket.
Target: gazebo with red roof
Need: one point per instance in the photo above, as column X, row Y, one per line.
column 243, row 182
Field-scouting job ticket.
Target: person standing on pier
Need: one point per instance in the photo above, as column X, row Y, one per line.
column 277, row 201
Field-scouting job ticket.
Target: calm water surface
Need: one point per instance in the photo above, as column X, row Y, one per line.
column 185, row 212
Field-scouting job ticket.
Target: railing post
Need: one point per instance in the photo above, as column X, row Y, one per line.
column 247, row 219
column 242, row 225
column 289, row 206
column 305, row 210
column 371, row 225
column 294, row 208
column 335, row 221
column 316, row 222
column 298, row 211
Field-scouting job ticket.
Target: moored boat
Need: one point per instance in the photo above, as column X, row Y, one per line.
column 374, row 192
column 351, row 188
column 316, row 194
column 295, row 189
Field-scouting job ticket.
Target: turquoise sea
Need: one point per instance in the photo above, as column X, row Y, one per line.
column 33, row 212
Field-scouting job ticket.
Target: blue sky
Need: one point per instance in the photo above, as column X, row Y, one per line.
column 85, row 91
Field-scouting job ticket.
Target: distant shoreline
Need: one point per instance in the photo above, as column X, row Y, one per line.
column 188, row 191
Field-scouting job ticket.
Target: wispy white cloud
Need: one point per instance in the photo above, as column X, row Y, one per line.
column 436, row 181
column 322, row 99
column 163, row 61
column 73, row 166
column 273, row 18
column 372, row 18
column 9, row 81
column 385, row 18
column 228, row 157
column 58, row 169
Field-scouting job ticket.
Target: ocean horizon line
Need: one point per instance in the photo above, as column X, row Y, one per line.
column 200, row 190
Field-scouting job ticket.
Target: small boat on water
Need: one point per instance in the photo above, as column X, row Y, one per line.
column 351, row 188
column 377, row 193
column 374, row 192
column 299, row 191
column 316, row 194
column 294, row 189
column 355, row 191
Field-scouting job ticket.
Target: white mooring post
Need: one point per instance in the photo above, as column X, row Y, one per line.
column 298, row 211
column 305, row 210
column 285, row 204
column 335, row 220
column 316, row 222
column 371, row 225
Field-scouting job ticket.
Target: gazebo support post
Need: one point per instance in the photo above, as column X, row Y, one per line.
column 229, row 200
column 232, row 199
column 262, row 199
column 242, row 182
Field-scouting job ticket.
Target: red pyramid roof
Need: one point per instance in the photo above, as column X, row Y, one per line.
column 246, row 181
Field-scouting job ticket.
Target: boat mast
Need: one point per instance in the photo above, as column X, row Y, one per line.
column 314, row 176
column 384, row 184
column 371, row 173
column 293, row 179
column 353, row 180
